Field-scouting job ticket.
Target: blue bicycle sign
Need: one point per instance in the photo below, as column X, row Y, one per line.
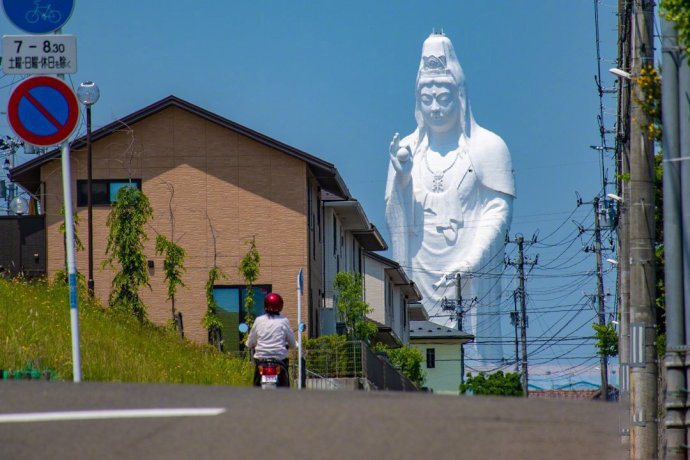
column 43, row 12
column 38, row 16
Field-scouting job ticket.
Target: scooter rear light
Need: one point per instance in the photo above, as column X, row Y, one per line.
column 269, row 370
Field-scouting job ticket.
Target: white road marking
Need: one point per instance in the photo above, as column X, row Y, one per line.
column 109, row 414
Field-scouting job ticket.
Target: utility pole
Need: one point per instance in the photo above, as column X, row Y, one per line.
column 10, row 146
column 623, row 190
column 676, row 346
column 520, row 264
column 515, row 321
column 456, row 306
column 684, row 152
column 523, row 314
column 459, row 314
column 600, row 297
column 643, row 372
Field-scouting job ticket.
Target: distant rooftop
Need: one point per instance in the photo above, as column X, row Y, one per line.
column 429, row 330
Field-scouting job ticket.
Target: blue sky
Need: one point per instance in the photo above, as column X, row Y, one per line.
column 336, row 79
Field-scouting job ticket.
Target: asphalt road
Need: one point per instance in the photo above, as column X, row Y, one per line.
column 308, row 424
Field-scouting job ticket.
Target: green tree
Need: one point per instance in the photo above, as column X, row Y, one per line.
column 649, row 83
column 352, row 308
column 406, row 358
column 331, row 356
column 498, row 383
column 78, row 246
column 678, row 11
column 61, row 275
column 211, row 322
column 126, row 237
column 173, row 267
column 606, row 339
column 249, row 269
column 659, row 248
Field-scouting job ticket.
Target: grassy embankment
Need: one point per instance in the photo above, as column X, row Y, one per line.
column 35, row 327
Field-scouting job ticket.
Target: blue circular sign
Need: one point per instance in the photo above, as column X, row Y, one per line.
column 38, row 16
column 43, row 111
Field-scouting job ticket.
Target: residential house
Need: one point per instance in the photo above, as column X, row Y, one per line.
column 390, row 293
column 347, row 235
column 213, row 185
column 441, row 349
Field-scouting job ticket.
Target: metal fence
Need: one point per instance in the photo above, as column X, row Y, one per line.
column 340, row 361
column 347, row 365
column 380, row 373
column 354, row 360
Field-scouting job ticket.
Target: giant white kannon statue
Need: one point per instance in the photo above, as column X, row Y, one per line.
column 449, row 200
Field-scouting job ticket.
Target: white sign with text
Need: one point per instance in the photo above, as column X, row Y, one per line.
column 39, row 54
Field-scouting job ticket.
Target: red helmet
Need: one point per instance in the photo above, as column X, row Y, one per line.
column 273, row 303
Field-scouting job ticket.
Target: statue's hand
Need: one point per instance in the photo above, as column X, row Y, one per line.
column 444, row 281
column 448, row 279
column 400, row 157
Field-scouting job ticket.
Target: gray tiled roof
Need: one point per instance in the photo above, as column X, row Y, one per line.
column 429, row 330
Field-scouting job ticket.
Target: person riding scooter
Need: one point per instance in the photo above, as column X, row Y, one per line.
column 270, row 338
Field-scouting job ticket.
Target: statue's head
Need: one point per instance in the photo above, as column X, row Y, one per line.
column 438, row 104
column 441, row 97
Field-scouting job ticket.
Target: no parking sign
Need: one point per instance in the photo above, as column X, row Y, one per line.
column 43, row 111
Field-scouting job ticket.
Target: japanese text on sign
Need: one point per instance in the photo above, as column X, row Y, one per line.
column 31, row 54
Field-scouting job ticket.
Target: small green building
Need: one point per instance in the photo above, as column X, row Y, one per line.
column 441, row 348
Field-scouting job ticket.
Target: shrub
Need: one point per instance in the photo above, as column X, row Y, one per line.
column 407, row 359
column 332, row 356
column 497, row 383
column 353, row 309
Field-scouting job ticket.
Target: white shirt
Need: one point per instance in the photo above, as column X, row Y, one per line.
column 270, row 336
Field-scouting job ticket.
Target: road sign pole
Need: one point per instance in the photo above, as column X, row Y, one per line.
column 300, row 281
column 71, row 265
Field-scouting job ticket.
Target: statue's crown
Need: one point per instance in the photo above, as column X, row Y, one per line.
column 434, row 66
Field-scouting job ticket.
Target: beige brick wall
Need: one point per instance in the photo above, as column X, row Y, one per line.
column 375, row 289
column 242, row 187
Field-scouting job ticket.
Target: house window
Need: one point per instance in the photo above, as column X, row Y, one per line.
column 231, row 310
column 390, row 316
column 335, row 234
column 310, row 213
column 405, row 323
column 103, row 191
column 430, row 358
column 318, row 212
column 402, row 307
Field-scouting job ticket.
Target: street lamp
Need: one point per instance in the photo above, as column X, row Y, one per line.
column 613, row 196
column 88, row 95
column 19, row 206
column 621, row 73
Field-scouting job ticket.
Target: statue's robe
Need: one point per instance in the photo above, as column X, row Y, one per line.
column 462, row 227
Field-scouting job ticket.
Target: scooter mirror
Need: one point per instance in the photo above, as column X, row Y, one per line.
column 243, row 327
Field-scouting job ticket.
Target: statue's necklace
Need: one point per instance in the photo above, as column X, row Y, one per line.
column 437, row 185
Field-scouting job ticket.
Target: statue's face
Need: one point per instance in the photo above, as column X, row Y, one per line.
column 439, row 106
